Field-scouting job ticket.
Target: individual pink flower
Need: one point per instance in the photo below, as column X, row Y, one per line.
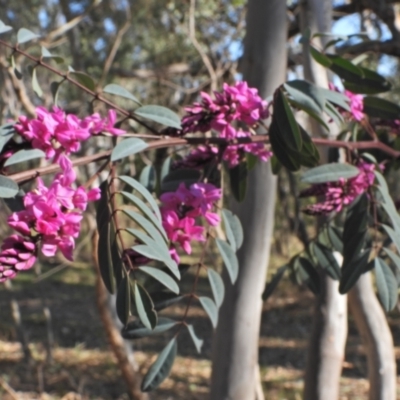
column 17, row 254
column 182, row 231
column 340, row 193
column 180, row 209
column 356, row 105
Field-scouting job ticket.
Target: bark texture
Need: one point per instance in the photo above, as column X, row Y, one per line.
column 377, row 338
column 329, row 331
column 235, row 355
column 117, row 343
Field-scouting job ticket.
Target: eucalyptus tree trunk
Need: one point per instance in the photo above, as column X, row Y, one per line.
column 377, row 338
column 329, row 332
column 235, row 355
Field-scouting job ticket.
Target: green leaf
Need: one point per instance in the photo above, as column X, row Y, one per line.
column 144, row 307
column 84, row 79
column 165, row 169
column 394, row 257
column 386, row 284
column 273, row 283
column 388, row 203
column 198, row 343
column 339, row 99
column 116, row 260
column 275, row 165
column 355, row 229
column 287, row 124
column 217, row 286
column 143, row 191
column 127, row 147
column 6, row 133
column 394, row 236
column 162, row 277
column 172, row 181
column 123, row 301
column 165, row 299
column 105, row 259
column 103, row 214
column 35, row 84
column 344, row 68
column 210, row 308
column 46, row 54
column 155, row 254
column 147, row 226
column 285, row 157
column 229, row 258
column 25, row 35
column 330, row 173
column 311, row 275
column 146, row 211
column 148, row 177
column 8, row 188
column 352, row 271
column 335, row 237
column 24, row 155
column 238, row 181
column 320, row 58
column 4, row 28
column 305, row 94
column 327, row 260
column 161, row 368
column 159, row 114
column 136, row 330
column 233, row 229
column 120, row 91
column 380, row 108
column 55, row 90
column 370, row 83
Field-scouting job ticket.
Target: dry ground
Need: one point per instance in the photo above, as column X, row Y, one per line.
column 84, row 368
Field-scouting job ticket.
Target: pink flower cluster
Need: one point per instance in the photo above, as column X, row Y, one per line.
column 50, row 221
column 56, row 132
column 340, row 193
column 17, row 254
column 181, row 208
column 234, row 103
column 237, row 103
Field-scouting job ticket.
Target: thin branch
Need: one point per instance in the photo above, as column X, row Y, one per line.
column 196, row 44
column 115, row 46
column 65, row 75
column 70, row 24
column 26, row 176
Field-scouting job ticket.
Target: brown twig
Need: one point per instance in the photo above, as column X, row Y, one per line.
column 65, row 76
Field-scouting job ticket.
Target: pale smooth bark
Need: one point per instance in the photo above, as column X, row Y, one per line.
column 235, row 353
column 377, row 338
column 329, row 331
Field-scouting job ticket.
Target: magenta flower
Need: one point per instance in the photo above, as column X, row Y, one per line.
column 17, row 254
column 234, row 103
column 53, row 214
column 340, row 193
column 55, row 132
column 356, row 105
column 179, row 212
